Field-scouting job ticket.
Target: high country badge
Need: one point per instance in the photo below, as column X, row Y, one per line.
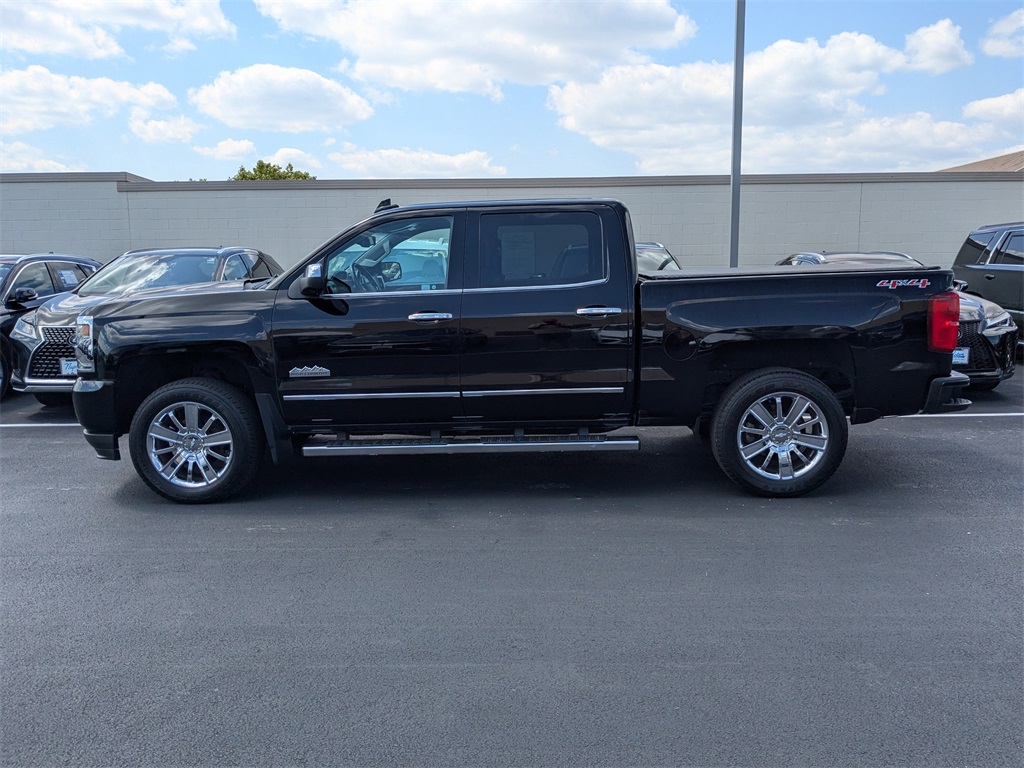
column 308, row 372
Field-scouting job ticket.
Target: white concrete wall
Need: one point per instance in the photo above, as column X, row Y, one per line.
column 102, row 215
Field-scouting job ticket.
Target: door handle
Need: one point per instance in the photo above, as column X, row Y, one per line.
column 430, row 317
column 990, row 277
column 598, row 311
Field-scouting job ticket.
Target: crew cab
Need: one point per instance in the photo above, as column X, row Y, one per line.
column 532, row 331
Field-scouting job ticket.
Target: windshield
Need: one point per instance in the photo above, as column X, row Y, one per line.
column 655, row 260
column 137, row 272
column 4, row 269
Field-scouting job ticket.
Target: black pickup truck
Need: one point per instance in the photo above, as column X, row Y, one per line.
column 508, row 327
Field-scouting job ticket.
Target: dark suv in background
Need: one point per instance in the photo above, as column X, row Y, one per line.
column 991, row 262
column 26, row 281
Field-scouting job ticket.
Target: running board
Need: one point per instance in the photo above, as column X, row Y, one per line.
column 529, row 444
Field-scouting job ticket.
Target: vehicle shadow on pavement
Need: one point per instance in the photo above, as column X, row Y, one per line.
column 672, row 470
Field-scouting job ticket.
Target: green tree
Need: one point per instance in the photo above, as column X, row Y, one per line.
column 268, row 172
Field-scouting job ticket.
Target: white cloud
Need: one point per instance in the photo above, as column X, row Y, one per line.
column 301, row 161
column 180, row 128
column 272, row 98
column 811, row 81
column 474, row 46
column 915, row 142
column 36, row 99
column 1005, row 38
column 803, row 107
column 414, row 164
column 937, row 49
column 228, row 149
column 1007, row 110
column 178, row 46
column 18, row 157
column 88, row 29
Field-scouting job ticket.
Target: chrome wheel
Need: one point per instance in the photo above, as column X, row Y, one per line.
column 779, row 432
column 782, row 435
column 190, row 444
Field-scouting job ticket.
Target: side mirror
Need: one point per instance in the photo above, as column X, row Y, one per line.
column 310, row 285
column 22, row 296
column 959, row 285
column 391, row 271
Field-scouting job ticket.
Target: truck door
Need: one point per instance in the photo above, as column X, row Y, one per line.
column 547, row 317
column 380, row 344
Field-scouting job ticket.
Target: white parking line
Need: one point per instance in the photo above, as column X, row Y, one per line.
column 960, row 415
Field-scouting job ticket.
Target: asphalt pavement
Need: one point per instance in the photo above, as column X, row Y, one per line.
column 519, row 610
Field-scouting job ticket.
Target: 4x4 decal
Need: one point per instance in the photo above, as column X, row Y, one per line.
column 920, row 283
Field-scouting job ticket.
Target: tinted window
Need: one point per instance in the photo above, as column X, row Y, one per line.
column 973, row 249
column 1012, row 251
column 526, row 249
column 257, row 266
column 37, row 277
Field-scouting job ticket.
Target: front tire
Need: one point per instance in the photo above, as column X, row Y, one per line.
column 196, row 441
column 779, row 432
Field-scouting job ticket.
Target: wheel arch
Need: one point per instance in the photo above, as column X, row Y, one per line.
column 829, row 361
column 140, row 374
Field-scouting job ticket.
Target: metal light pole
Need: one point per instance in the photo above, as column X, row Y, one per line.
column 737, row 135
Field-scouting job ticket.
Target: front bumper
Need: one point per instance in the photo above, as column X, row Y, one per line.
column 944, row 394
column 95, row 411
column 28, row 384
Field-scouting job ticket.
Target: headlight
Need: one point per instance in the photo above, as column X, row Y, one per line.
column 26, row 332
column 996, row 317
column 84, row 344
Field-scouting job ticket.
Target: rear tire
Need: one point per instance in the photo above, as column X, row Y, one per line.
column 779, row 432
column 196, row 441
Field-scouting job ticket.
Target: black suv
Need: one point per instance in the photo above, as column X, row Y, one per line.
column 26, row 281
column 991, row 262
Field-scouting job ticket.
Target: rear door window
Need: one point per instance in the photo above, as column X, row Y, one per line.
column 67, row 276
column 1012, row 252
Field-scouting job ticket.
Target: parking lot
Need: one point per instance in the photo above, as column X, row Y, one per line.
column 606, row 609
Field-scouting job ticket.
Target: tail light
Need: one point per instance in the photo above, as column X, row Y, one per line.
column 943, row 321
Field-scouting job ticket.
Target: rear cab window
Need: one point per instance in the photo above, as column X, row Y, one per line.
column 540, row 249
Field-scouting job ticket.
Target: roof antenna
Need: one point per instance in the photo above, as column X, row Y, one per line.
column 384, row 205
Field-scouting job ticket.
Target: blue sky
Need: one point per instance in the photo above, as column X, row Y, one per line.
column 179, row 89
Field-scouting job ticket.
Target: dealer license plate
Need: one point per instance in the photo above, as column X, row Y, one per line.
column 961, row 355
column 68, row 367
